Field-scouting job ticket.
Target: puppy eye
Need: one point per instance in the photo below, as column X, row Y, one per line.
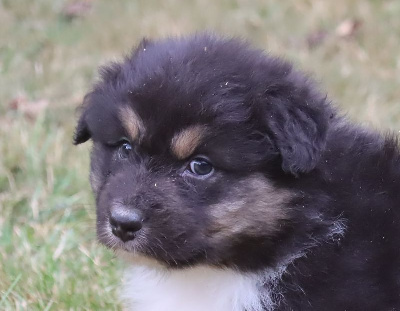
column 201, row 167
column 125, row 149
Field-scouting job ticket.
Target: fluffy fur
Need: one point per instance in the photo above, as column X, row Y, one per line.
column 221, row 289
column 300, row 210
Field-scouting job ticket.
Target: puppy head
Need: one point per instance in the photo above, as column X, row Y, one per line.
column 185, row 132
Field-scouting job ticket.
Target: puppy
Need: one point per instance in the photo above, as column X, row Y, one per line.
column 230, row 183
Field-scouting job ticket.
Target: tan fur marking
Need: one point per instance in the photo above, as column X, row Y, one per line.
column 132, row 123
column 186, row 141
column 254, row 208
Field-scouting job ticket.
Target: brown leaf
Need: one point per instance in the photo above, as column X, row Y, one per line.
column 79, row 8
column 31, row 109
column 347, row 28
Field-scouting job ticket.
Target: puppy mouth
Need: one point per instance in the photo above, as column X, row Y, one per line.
column 107, row 237
column 131, row 250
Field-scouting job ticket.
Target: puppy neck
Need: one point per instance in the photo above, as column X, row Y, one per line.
column 149, row 286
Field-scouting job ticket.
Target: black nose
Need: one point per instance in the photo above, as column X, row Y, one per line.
column 125, row 221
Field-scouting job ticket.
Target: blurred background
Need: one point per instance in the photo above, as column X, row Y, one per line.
column 49, row 54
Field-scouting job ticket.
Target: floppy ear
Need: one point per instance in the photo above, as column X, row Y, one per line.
column 82, row 133
column 297, row 116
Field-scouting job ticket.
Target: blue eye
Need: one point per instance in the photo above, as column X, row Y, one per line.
column 200, row 167
column 124, row 150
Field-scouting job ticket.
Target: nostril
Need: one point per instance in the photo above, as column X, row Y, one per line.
column 125, row 221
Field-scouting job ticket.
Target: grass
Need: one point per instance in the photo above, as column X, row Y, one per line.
column 49, row 259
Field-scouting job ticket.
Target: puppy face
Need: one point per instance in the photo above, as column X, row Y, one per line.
column 186, row 136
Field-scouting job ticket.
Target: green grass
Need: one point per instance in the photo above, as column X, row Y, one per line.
column 49, row 258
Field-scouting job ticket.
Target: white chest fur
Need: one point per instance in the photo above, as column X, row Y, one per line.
column 153, row 288
column 148, row 286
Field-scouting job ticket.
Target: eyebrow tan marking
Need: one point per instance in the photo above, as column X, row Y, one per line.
column 186, row 141
column 132, row 123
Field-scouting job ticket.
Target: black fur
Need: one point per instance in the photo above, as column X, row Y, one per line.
column 263, row 119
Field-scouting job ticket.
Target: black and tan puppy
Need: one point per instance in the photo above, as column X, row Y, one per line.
column 230, row 183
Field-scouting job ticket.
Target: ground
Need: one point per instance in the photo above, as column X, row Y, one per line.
column 49, row 52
